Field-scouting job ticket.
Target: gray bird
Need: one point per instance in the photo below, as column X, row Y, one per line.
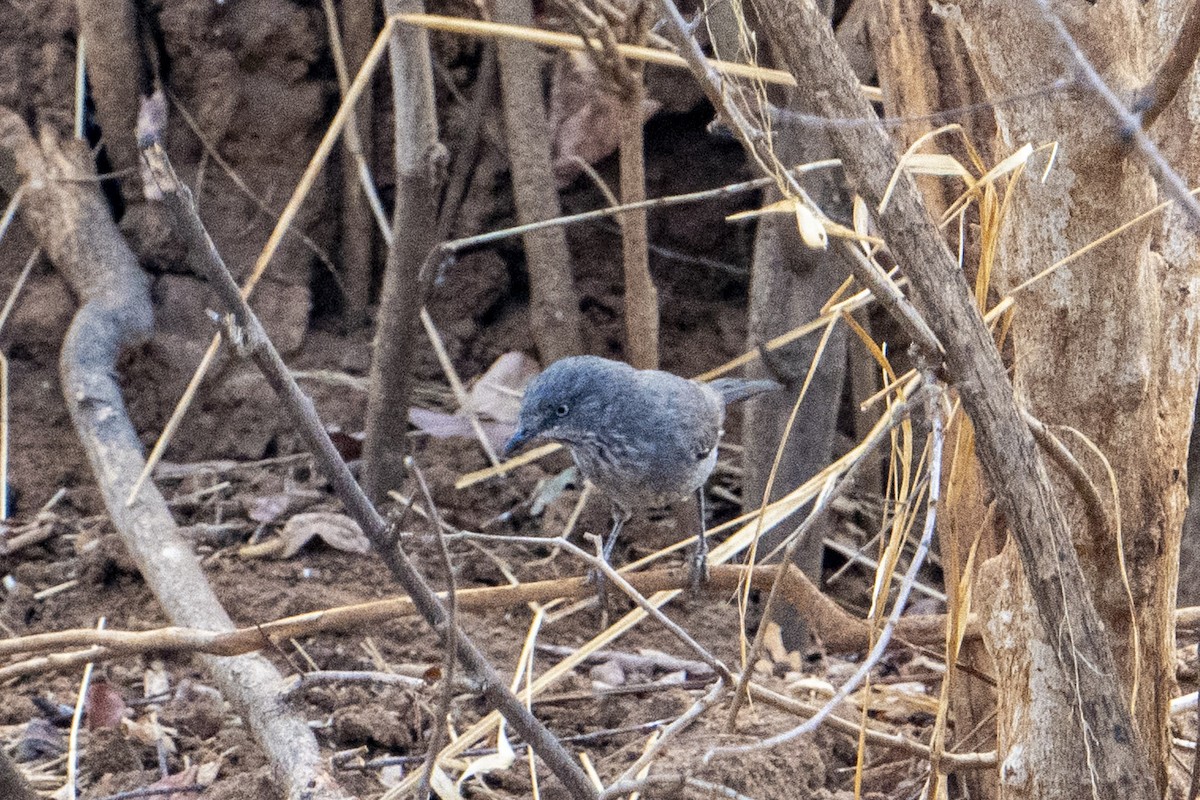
column 643, row 437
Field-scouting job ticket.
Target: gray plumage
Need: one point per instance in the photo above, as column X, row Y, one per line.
column 643, row 437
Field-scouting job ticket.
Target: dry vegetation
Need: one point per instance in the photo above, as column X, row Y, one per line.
column 943, row 562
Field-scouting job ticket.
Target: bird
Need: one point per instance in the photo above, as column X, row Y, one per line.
column 644, row 438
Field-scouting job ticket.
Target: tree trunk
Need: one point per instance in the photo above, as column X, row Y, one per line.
column 419, row 162
column 1105, row 346
column 553, row 301
column 1098, row 747
column 789, row 283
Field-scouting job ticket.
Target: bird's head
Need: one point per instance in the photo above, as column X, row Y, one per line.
column 565, row 402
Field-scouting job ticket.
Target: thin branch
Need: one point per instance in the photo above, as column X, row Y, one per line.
column 1129, row 122
column 840, row 631
column 1158, row 93
column 752, row 138
column 441, row 718
column 204, row 258
column 937, row 439
column 74, row 227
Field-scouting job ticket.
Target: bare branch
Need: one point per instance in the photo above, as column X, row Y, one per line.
column 1162, row 88
column 73, row 225
column 203, row 257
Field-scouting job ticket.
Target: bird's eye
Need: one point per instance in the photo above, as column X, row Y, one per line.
column 562, row 410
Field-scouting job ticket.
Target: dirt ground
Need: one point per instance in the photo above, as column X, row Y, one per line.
column 258, row 79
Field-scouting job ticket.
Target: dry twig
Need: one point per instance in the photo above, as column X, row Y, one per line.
column 203, row 257
column 72, row 222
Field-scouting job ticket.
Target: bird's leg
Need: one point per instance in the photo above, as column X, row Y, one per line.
column 699, row 571
column 619, row 517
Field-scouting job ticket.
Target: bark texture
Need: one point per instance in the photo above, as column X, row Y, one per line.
column 1107, row 346
column 553, row 301
column 116, row 78
column 1099, row 748
column 73, row 226
column 419, row 166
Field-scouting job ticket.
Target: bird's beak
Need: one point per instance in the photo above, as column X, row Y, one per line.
column 517, row 441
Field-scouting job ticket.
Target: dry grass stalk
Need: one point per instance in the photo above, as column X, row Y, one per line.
column 286, row 218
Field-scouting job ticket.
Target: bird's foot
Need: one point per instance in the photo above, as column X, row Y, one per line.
column 698, row 572
column 596, row 577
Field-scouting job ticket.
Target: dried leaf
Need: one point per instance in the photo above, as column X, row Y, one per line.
column 548, row 491
column 40, row 739
column 812, row 232
column 336, row 530
column 103, row 707
column 497, row 393
column 180, row 780
column 443, row 426
column 586, row 119
column 502, row 759
column 939, row 164
column 150, row 732
column 442, row 786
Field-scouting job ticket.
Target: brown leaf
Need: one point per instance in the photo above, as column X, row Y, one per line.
column 497, row 393
column 585, row 117
column 443, row 426
column 180, row 780
column 103, row 707
column 349, row 447
column 336, row 530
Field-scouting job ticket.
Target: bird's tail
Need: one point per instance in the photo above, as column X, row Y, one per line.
column 733, row 390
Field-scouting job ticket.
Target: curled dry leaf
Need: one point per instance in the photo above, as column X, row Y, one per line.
column 336, row 530
column 180, row 780
column 495, row 397
column 497, row 393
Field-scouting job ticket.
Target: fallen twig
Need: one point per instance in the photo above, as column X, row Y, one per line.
column 839, row 631
column 75, row 229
